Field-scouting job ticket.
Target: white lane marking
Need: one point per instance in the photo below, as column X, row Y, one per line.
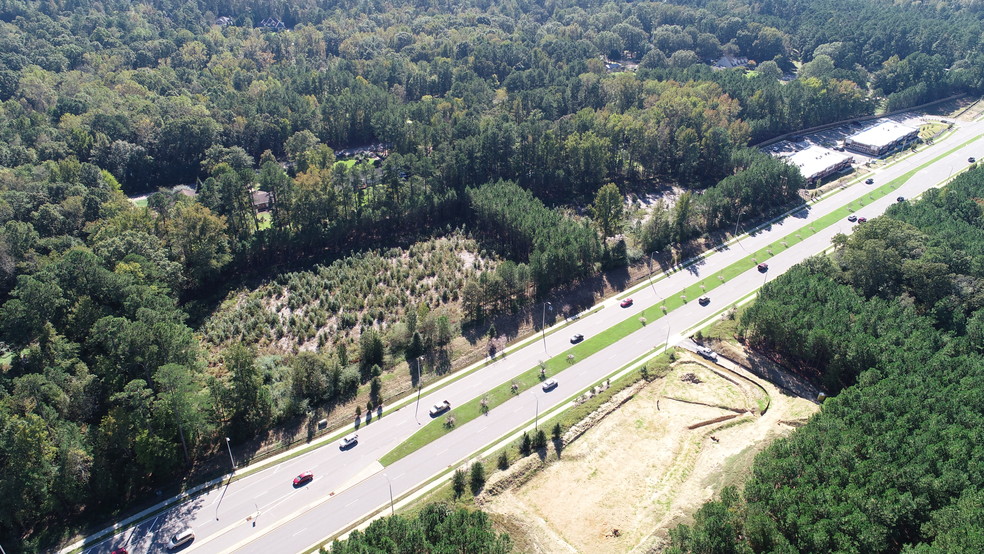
column 299, row 532
column 352, row 502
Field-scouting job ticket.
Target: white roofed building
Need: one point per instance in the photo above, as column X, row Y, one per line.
column 883, row 138
column 817, row 162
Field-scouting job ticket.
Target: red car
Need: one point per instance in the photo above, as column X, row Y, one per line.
column 303, row 478
column 862, row 219
column 763, row 267
column 626, row 303
column 120, row 550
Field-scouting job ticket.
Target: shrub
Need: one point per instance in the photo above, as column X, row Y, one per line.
column 503, row 462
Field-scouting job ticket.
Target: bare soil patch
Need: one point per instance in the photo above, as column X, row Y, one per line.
column 640, row 470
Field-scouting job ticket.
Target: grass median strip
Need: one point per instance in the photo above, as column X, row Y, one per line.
column 530, row 378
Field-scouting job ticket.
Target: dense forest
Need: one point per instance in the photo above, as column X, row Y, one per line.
column 375, row 127
column 437, row 528
column 892, row 324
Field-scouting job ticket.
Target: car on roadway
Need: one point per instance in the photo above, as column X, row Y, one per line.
column 862, row 219
column 763, row 267
column 348, row 441
column 549, row 384
column 180, row 539
column 852, row 218
column 120, row 550
column 303, row 478
column 869, row 181
column 704, row 300
column 707, row 353
column 900, row 199
column 625, row 303
column 971, row 159
column 439, row 408
column 576, row 338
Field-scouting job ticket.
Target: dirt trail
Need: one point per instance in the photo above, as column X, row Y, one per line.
column 660, row 473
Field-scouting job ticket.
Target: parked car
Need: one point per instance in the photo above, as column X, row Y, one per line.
column 704, row 300
column 549, row 384
column 626, row 303
column 900, row 199
column 763, row 267
column 852, row 218
column 303, row 478
column 869, row 181
column 707, row 353
column 576, row 338
column 440, row 408
column 180, row 539
column 862, row 219
column 349, row 441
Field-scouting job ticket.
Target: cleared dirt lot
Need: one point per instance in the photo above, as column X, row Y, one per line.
column 662, row 469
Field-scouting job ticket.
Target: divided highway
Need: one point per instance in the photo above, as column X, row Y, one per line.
column 263, row 512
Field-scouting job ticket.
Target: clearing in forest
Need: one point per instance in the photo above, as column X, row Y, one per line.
column 649, row 464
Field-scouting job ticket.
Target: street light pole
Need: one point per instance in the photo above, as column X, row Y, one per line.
column 652, row 262
column 392, row 509
column 536, row 418
column 419, row 377
column 231, row 459
column 738, row 240
column 543, row 320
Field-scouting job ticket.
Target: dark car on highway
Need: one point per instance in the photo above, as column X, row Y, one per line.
column 852, row 218
column 763, row 267
column 869, row 181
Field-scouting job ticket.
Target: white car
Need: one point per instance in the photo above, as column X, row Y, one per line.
column 549, row 384
column 180, row 539
column 707, row 353
column 440, row 408
column 349, row 441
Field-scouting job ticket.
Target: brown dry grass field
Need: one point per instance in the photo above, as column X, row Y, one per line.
column 641, row 470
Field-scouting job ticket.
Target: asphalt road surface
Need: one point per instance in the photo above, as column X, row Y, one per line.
column 265, row 513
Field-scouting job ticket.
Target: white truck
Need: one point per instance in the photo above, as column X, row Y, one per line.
column 707, row 353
